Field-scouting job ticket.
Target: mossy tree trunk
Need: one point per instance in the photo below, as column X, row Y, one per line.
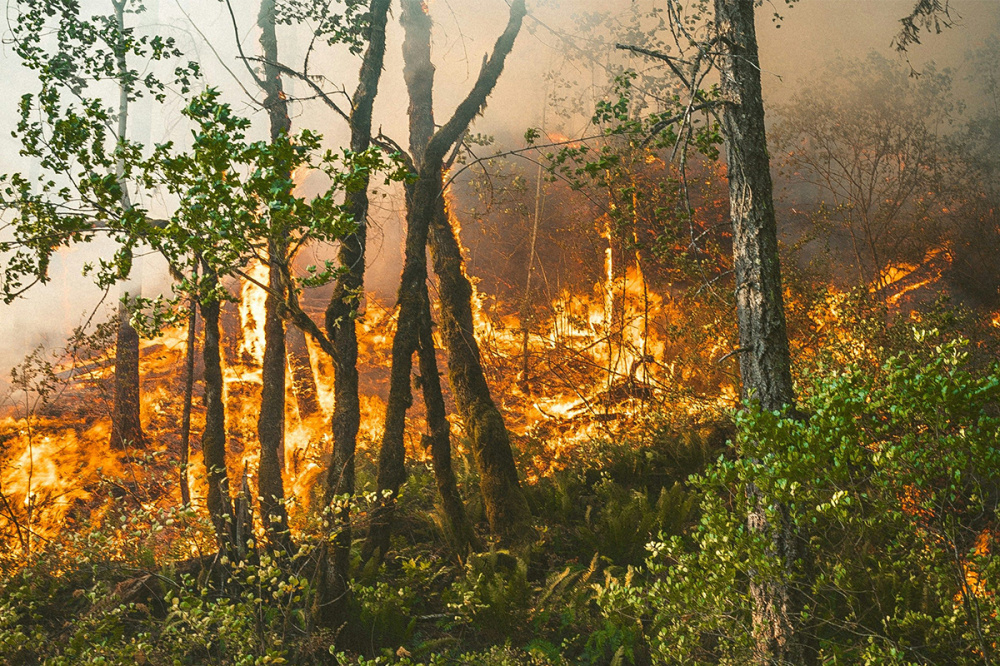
column 271, row 421
column 213, row 439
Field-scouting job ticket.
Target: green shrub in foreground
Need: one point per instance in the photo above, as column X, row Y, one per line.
column 889, row 485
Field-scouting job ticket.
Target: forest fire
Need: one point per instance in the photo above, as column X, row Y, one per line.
column 617, row 348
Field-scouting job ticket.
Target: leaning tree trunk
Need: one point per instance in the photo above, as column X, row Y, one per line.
column 340, row 325
column 213, row 439
column 765, row 364
column 506, row 506
column 271, row 421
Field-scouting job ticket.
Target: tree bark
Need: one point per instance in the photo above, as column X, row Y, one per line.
column 126, row 426
column 271, row 422
column 426, row 212
column 341, row 328
column 213, row 439
column 301, row 372
column 765, row 364
column 189, row 352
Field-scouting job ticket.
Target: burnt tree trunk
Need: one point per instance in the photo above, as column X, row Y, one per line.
column 341, row 328
column 765, row 364
column 459, row 528
column 271, row 422
column 189, row 352
column 213, row 439
column 126, row 426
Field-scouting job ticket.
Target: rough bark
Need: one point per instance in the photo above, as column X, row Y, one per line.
column 341, row 329
column 506, row 507
column 189, row 352
column 213, row 439
column 126, row 426
column 460, row 530
column 418, row 72
column 271, row 421
column 765, row 364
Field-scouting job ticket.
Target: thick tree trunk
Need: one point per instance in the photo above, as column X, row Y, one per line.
column 189, row 352
column 213, row 439
column 460, row 530
column 341, row 328
column 126, row 426
column 271, row 422
column 765, row 365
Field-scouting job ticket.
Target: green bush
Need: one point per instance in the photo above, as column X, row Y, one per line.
column 889, row 488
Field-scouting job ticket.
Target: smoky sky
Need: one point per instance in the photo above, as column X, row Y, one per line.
column 809, row 34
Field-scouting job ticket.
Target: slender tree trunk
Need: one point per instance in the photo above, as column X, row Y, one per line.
column 126, row 425
column 439, row 440
column 765, row 364
column 188, row 398
column 526, row 316
column 271, row 422
column 342, row 330
column 213, row 439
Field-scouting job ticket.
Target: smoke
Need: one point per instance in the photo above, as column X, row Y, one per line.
column 558, row 50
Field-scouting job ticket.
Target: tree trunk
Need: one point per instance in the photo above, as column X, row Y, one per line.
column 765, row 364
column 460, row 530
column 126, row 427
column 506, row 507
column 271, row 422
column 213, row 439
column 189, row 352
column 341, row 328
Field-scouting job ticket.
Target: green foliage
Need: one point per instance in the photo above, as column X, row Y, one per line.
column 71, row 129
column 889, row 487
